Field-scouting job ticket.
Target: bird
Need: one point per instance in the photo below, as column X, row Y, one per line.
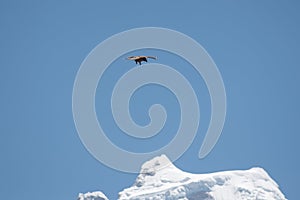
column 140, row 59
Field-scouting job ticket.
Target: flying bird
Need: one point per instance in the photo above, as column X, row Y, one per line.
column 140, row 59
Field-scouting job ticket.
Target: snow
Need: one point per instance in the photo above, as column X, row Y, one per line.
column 159, row 179
column 92, row 196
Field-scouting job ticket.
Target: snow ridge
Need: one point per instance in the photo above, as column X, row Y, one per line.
column 92, row 196
column 159, row 179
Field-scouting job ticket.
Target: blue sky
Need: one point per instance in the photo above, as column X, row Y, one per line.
column 253, row 43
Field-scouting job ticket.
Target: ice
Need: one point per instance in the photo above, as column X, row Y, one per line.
column 159, row 179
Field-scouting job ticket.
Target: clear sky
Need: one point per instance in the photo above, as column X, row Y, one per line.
column 255, row 45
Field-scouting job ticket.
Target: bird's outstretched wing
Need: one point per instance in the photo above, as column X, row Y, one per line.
column 152, row 57
column 132, row 57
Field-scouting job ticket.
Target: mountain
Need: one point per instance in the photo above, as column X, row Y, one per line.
column 92, row 196
column 159, row 179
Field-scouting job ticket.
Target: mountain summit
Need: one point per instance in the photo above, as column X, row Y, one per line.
column 159, row 179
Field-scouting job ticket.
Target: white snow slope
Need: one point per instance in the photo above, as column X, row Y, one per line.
column 159, row 179
column 92, row 196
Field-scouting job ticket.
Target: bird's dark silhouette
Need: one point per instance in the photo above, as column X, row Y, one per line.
column 140, row 59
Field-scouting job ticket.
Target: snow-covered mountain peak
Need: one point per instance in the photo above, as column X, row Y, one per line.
column 159, row 179
column 156, row 164
column 157, row 171
column 92, row 196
